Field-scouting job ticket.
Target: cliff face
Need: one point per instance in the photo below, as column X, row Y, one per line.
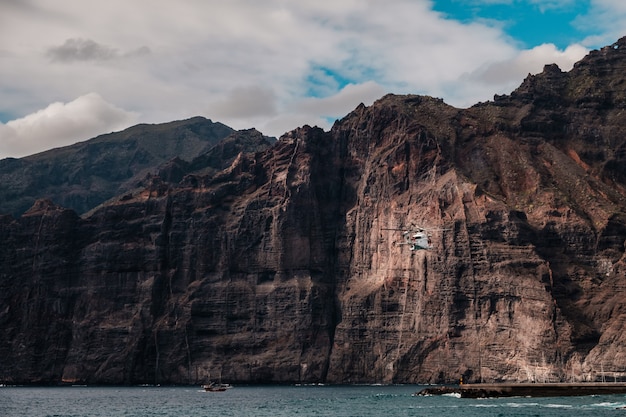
column 289, row 265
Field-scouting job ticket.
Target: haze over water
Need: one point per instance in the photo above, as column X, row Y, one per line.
column 388, row 401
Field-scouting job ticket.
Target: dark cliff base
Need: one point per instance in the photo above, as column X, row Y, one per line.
column 528, row 390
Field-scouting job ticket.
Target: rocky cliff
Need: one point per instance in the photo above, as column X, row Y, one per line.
column 290, row 264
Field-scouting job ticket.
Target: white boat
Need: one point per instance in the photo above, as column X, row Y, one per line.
column 214, row 387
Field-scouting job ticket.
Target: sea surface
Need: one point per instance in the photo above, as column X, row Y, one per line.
column 276, row 401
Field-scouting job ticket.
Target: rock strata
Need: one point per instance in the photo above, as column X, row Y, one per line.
column 289, row 265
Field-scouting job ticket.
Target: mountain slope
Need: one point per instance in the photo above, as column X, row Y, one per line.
column 84, row 175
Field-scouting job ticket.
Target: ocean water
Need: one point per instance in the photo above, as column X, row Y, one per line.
column 276, row 401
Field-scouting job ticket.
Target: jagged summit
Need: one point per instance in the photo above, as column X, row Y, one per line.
column 289, row 263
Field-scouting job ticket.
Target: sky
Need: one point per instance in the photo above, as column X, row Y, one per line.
column 73, row 69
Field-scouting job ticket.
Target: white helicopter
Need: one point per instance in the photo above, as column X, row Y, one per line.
column 417, row 238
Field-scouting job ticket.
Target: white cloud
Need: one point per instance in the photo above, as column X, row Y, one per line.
column 246, row 107
column 552, row 4
column 507, row 75
column 244, row 102
column 62, row 124
column 344, row 101
column 322, row 112
column 541, row 4
column 608, row 18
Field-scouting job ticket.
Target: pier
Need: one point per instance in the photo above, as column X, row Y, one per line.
column 527, row 389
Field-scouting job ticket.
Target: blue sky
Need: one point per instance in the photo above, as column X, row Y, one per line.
column 527, row 22
column 75, row 69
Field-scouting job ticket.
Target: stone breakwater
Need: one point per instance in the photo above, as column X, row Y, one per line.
column 526, row 390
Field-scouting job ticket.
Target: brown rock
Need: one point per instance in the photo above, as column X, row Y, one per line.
column 282, row 267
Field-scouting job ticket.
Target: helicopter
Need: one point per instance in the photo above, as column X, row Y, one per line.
column 417, row 238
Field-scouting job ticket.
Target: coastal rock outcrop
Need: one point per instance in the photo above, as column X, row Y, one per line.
column 290, row 264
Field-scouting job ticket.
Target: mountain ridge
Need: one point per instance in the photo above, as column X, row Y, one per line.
column 85, row 174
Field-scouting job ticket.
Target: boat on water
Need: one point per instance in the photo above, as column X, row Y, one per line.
column 215, row 387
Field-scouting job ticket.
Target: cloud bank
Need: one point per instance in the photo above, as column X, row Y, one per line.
column 62, row 124
column 273, row 65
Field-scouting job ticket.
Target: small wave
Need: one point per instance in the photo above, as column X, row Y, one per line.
column 558, row 406
column 520, row 405
column 609, row 404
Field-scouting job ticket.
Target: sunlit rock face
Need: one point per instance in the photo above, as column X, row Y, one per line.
column 291, row 264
